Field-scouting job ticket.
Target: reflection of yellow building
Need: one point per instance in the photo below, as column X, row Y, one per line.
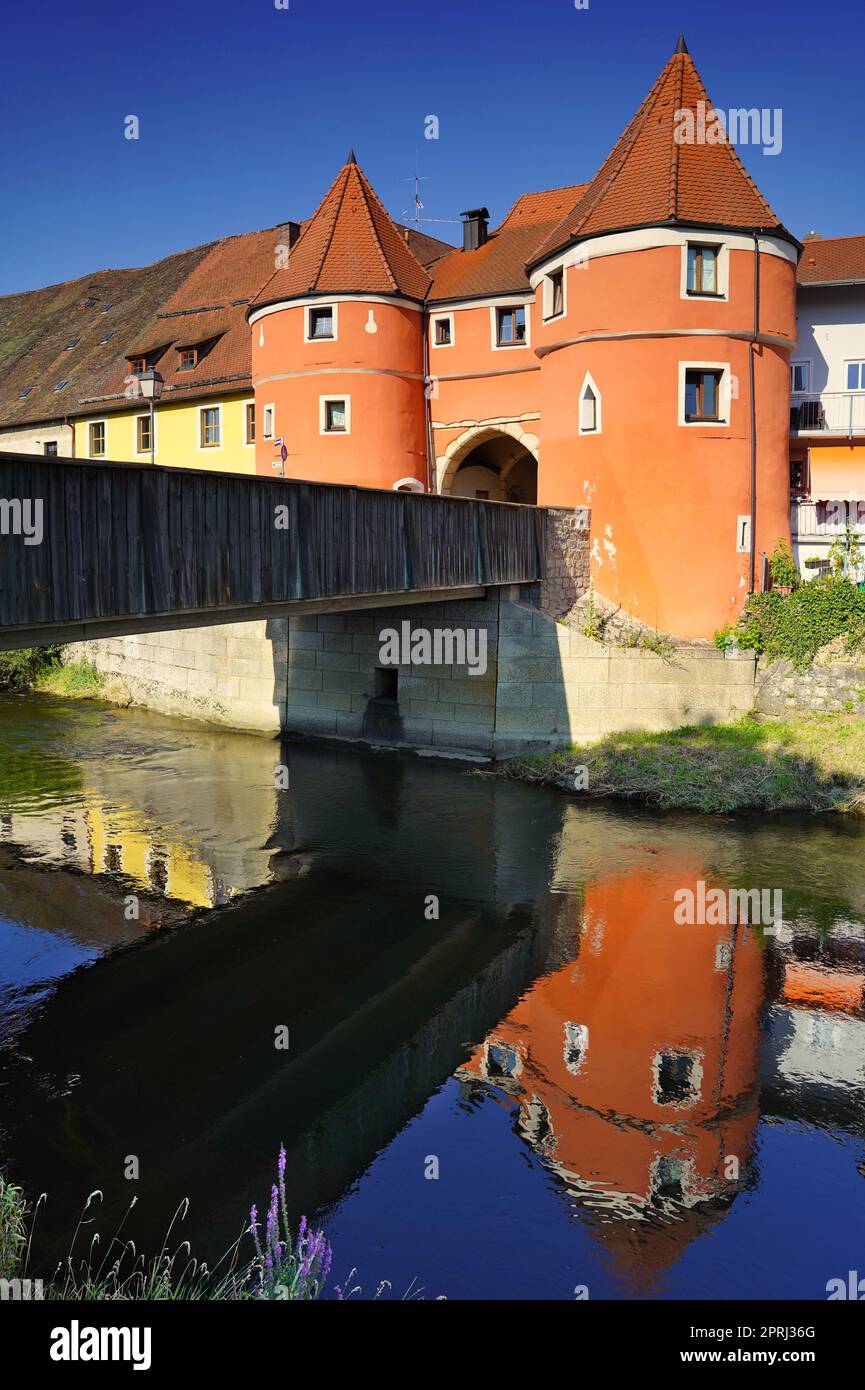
column 122, row 843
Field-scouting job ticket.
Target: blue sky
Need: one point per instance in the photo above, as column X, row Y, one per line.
column 246, row 112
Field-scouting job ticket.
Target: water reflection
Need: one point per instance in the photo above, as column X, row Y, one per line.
column 647, row 1102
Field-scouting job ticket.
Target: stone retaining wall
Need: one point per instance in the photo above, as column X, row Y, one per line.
column 838, row 688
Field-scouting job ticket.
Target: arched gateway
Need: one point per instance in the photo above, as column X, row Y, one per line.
column 494, row 464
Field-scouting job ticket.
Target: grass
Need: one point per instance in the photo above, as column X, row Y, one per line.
column 20, row 669
column 814, row 763
column 78, row 681
column 13, row 1228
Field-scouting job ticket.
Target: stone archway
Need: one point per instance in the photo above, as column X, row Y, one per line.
column 494, row 461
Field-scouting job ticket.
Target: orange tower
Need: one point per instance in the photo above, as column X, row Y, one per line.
column 338, row 348
column 665, row 316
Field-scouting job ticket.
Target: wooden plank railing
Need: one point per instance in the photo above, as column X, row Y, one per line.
column 125, row 540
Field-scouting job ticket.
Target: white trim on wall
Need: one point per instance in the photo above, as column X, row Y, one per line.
column 495, row 310
column 264, row 431
column 322, row 415
column 589, row 381
column 306, row 300
column 724, row 395
column 649, row 239
column 722, row 269
column 320, row 306
column 451, row 317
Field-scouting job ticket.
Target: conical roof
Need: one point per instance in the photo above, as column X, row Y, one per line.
column 650, row 177
column 349, row 245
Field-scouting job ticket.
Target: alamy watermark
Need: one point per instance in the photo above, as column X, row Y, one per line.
column 22, row 516
column 721, row 907
column 706, row 125
column 437, row 646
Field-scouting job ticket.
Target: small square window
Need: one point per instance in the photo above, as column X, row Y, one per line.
column 856, row 376
column 49, row 448
column 703, row 394
column 321, row 322
column 675, row 1081
column 97, row 439
column 137, row 365
column 188, row 359
column 511, row 326
column 335, row 417
column 702, row 269
column 443, row 332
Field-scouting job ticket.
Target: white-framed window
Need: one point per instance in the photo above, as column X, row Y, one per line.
column 321, row 323
column 677, row 1077
column 97, row 431
column 248, row 408
column 443, row 330
column 510, row 326
column 705, row 394
column 143, row 437
column 554, row 294
column 268, row 422
column 334, row 414
column 589, row 421
column 854, row 376
column 800, row 375
column 576, row 1045
column 210, row 427
column 705, row 269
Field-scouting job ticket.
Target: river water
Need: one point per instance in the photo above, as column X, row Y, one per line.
column 509, row 1072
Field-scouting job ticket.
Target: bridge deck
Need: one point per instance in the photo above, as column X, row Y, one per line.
column 124, row 548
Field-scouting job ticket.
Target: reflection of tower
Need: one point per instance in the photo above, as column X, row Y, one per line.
column 634, row 1065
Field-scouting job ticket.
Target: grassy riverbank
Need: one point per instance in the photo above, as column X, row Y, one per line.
column 814, row 763
column 41, row 668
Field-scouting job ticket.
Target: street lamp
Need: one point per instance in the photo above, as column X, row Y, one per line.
column 150, row 386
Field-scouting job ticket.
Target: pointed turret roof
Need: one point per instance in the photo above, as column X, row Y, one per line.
column 651, row 178
column 349, row 245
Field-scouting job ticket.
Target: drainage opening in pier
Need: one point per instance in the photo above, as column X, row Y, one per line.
column 382, row 718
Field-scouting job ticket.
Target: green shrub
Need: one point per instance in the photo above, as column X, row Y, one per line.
column 795, row 626
column 22, row 668
column 782, row 566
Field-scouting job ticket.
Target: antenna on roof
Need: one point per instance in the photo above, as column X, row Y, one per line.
column 417, row 180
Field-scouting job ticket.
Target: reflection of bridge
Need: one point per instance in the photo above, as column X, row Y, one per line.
column 112, row 548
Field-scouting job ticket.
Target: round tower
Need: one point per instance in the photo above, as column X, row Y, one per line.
column 665, row 375
column 337, row 348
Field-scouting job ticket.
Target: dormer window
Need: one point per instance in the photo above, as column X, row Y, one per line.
column 702, row 269
column 137, row 365
column 60, row 385
column 24, row 392
column 106, row 337
column 73, row 342
column 188, row 359
column 321, row 323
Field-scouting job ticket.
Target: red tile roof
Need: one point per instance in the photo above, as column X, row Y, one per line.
column 350, row 244
column 833, row 260
column 499, row 266
column 650, row 178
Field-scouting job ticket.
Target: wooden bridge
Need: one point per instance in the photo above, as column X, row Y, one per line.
column 95, row 549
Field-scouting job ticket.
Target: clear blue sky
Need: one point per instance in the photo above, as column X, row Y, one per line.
column 247, row 111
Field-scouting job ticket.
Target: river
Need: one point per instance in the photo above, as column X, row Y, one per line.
column 509, row 1072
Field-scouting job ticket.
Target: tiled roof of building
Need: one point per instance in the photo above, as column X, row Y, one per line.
column 349, row 245
column 499, row 266
column 649, row 177
column 832, row 260
column 102, row 313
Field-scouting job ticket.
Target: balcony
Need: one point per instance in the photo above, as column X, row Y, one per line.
column 831, row 412
column 826, row 521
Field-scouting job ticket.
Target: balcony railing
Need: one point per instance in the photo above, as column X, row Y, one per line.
column 832, row 412
column 826, row 520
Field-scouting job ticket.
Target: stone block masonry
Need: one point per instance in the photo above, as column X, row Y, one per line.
column 838, row 688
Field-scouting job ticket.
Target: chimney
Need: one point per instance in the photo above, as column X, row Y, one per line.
column 291, row 231
column 475, row 228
